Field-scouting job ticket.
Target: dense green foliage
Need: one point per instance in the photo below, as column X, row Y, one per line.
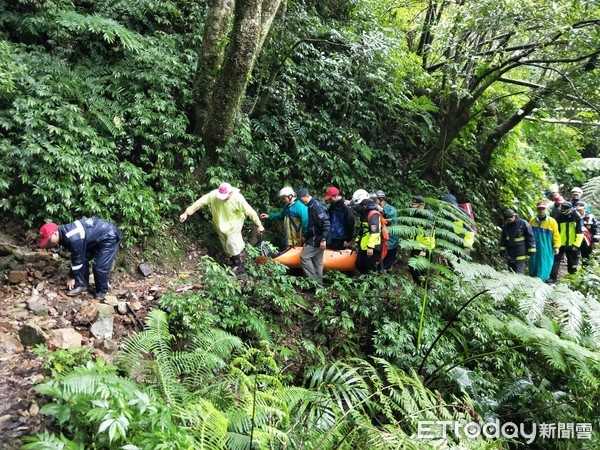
column 505, row 347
column 486, row 99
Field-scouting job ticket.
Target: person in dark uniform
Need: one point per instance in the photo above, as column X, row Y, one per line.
column 316, row 236
column 341, row 216
column 86, row 239
column 570, row 227
column 517, row 241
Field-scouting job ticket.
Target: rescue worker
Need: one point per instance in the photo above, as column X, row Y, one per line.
column 317, row 233
column 294, row 215
column 591, row 232
column 547, row 242
column 228, row 208
column 517, row 241
column 87, row 239
column 390, row 214
column 577, row 196
column 342, row 220
column 570, row 227
column 368, row 239
column 555, row 208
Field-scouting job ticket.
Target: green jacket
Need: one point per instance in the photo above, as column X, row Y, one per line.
column 390, row 214
column 295, row 222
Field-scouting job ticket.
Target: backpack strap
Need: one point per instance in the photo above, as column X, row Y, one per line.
column 375, row 212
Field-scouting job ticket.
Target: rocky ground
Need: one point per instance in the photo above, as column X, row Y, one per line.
column 35, row 309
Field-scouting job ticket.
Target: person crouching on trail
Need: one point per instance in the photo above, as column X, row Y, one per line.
column 294, row 215
column 369, row 233
column 228, row 208
column 517, row 241
column 86, row 239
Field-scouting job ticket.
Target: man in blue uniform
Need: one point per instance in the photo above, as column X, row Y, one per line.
column 86, row 239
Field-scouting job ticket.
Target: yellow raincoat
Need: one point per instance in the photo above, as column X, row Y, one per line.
column 228, row 217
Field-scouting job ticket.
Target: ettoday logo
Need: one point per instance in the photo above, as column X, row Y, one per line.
column 528, row 433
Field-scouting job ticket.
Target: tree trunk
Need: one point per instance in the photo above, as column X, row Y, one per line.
column 210, row 58
column 456, row 116
column 230, row 87
column 486, row 150
column 252, row 22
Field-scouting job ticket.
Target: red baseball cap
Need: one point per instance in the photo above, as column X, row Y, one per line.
column 541, row 204
column 331, row 191
column 45, row 232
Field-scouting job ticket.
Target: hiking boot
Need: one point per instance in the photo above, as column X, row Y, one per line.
column 100, row 295
column 77, row 290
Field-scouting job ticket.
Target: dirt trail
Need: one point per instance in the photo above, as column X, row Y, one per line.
column 32, row 295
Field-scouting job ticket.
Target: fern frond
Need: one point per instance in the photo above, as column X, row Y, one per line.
column 570, row 306
column 590, row 163
column 558, row 352
column 108, row 29
column 471, row 270
column 592, row 189
column 342, row 383
column 592, row 312
column 209, row 425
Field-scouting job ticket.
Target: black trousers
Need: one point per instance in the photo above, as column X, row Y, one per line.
column 517, row 266
column 366, row 264
column 586, row 251
column 336, row 244
column 572, row 260
column 389, row 259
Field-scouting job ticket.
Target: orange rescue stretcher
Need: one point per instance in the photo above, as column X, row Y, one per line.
column 344, row 260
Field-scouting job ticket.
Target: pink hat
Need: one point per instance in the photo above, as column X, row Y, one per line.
column 46, row 232
column 542, row 204
column 331, row 192
column 224, row 190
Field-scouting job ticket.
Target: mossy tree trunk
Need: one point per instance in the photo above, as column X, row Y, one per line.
column 221, row 83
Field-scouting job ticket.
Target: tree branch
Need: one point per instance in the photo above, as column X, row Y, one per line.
column 562, row 121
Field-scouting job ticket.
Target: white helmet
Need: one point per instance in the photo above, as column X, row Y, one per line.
column 286, row 191
column 577, row 190
column 359, row 196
